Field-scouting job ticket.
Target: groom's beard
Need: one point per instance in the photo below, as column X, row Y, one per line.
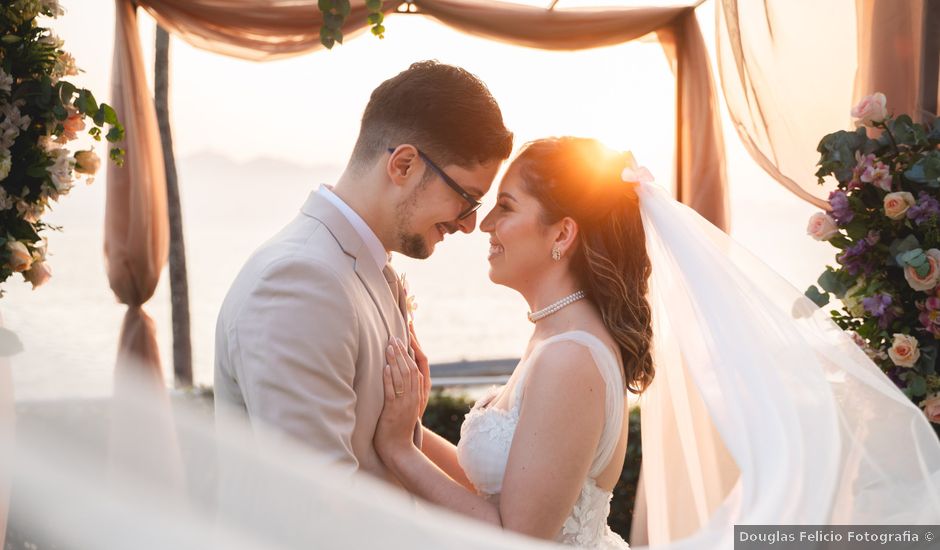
column 414, row 246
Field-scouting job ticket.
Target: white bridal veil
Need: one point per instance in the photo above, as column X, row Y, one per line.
column 762, row 412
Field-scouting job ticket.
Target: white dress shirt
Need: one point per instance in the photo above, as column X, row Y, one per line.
column 376, row 250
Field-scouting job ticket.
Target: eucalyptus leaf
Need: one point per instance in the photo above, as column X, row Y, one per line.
column 110, row 117
column 85, row 103
column 907, row 258
column 928, row 359
column 830, row 282
column 917, row 384
column 898, row 246
column 818, row 298
column 115, row 134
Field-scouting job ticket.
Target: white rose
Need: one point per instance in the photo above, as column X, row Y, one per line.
column 928, row 281
column 822, row 227
column 896, row 204
column 61, row 170
column 904, row 351
column 20, row 258
column 870, row 109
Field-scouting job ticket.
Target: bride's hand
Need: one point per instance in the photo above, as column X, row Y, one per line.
column 404, row 398
column 423, row 368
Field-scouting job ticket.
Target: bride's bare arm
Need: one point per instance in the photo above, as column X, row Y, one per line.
column 559, row 427
column 443, row 453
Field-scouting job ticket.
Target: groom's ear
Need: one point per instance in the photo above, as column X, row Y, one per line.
column 403, row 164
column 567, row 235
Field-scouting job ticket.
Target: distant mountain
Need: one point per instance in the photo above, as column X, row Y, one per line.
column 210, row 167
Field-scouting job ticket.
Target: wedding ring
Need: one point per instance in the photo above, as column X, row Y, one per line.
column 399, row 393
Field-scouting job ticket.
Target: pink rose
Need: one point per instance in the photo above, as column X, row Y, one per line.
column 878, row 175
column 72, row 125
column 20, row 258
column 904, row 351
column 896, row 204
column 822, row 227
column 932, row 408
column 38, row 274
column 929, row 281
column 870, row 109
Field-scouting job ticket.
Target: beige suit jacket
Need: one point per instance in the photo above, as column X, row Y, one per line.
column 301, row 336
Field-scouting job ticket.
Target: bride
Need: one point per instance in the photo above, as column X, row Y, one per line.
column 542, row 454
column 762, row 410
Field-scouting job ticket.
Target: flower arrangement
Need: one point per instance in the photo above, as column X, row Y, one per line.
column 885, row 220
column 40, row 113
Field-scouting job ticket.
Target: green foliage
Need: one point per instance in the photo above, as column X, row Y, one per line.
column 335, row 13
column 42, row 112
column 877, row 254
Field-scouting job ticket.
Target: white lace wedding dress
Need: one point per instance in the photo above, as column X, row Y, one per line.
column 487, row 433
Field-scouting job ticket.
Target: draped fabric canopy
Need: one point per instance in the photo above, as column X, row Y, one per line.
column 792, row 69
column 261, row 30
column 137, row 231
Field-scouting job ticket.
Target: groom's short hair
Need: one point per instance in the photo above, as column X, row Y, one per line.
column 445, row 111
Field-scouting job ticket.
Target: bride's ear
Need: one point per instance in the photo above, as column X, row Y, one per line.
column 566, row 237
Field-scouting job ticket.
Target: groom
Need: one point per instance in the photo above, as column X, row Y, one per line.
column 301, row 336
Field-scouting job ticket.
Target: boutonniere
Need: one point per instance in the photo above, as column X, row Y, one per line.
column 410, row 304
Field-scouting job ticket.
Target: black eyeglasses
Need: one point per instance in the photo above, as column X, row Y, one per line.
column 473, row 204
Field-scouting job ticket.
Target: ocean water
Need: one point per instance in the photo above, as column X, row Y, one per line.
column 70, row 326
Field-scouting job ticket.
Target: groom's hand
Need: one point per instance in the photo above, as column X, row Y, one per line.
column 423, row 367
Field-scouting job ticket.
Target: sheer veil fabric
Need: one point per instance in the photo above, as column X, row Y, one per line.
column 762, row 411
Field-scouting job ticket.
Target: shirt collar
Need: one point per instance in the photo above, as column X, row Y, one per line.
column 372, row 242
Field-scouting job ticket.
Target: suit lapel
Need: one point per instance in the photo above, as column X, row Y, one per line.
column 369, row 274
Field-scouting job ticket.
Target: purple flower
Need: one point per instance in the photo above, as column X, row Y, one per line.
column 839, row 202
column 853, row 258
column 924, row 209
column 877, row 304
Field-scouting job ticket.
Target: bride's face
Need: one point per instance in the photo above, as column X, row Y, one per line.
column 520, row 245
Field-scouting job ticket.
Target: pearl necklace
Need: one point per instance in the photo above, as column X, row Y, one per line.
column 545, row 312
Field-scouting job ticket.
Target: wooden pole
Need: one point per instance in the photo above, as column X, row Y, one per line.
column 179, row 287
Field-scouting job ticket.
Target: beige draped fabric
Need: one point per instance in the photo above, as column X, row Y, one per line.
column 890, row 49
column 700, row 146
column 136, row 225
column 785, row 92
column 270, row 29
column 256, row 30
column 700, row 174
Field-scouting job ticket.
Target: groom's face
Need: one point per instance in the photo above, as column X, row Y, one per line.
column 431, row 209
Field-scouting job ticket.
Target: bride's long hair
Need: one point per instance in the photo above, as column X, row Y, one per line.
column 580, row 178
